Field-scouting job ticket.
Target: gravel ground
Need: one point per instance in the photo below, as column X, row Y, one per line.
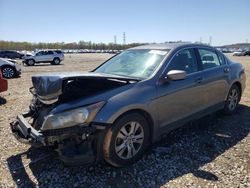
column 211, row 152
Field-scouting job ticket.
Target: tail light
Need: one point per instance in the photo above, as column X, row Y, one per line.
column 3, row 83
column 1, row 76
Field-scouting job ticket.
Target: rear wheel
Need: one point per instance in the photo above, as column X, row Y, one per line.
column 127, row 140
column 233, row 100
column 8, row 72
column 56, row 61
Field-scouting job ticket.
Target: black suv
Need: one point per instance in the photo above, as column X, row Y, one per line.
column 11, row 54
column 247, row 52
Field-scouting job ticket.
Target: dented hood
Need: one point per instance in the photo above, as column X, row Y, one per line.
column 50, row 85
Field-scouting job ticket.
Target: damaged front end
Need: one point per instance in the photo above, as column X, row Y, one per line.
column 70, row 133
column 71, row 129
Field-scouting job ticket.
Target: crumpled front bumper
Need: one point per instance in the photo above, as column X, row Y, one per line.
column 70, row 152
column 25, row 133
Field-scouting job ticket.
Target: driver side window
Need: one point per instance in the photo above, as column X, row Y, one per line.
column 184, row 60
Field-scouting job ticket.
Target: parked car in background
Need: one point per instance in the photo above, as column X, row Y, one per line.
column 45, row 56
column 11, row 54
column 3, row 83
column 10, row 68
column 27, row 54
column 247, row 52
column 238, row 53
column 117, row 110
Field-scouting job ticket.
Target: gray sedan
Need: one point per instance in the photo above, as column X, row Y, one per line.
column 116, row 111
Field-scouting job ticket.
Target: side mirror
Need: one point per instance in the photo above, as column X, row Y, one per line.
column 176, row 75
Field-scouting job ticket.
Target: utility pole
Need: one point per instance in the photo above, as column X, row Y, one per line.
column 201, row 40
column 115, row 39
column 124, row 38
column 210, row 40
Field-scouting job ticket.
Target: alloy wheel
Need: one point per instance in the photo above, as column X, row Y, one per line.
column 233, row 99
column 30, row 62
column 8, row 72
column 56, row 61
column 129, row 140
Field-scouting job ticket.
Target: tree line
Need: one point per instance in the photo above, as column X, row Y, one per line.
column 12, row 45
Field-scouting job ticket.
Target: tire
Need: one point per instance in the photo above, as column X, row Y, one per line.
column 232, row 101
column 30, row 62
column 116, row 146
column 8, row 72
column 56, row 61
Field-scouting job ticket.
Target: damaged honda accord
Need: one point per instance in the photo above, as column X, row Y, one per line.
column 117, row 110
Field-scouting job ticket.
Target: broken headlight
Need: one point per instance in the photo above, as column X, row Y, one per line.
column 79, row 116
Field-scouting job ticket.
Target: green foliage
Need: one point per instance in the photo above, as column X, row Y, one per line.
column 12, row 45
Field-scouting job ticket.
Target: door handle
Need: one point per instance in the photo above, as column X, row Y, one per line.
column 227, row 70
column 198, row 80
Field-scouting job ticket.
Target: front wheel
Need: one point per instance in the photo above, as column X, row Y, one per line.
column 233, row 100
column 8, row 72
column 127, row 140
column 30, row 62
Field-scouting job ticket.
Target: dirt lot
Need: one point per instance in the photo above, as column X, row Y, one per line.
column 212, row 152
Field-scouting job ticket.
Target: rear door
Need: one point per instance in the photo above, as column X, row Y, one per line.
column 50, row 55
column 46, row 56
column 216, row 76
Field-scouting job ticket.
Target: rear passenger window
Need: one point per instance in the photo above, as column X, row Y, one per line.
column 209, row 59
column 184, row 60
column 50, row 53
column 58, row 51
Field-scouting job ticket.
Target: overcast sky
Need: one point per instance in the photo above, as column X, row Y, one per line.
column 226, row 21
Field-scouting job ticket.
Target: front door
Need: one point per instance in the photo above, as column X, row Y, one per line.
column 181, row 98
column 40, row 56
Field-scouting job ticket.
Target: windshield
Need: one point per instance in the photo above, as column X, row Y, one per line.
column 134, row 63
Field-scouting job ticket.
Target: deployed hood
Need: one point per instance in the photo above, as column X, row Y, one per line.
column 48, row 87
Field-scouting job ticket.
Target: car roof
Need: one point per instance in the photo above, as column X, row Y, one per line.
column 8, row 51
column 170, row 46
